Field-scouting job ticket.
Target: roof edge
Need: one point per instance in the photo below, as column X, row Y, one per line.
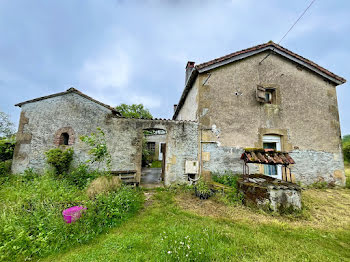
column 185, row 92
column 274, row 48
column 70, row 90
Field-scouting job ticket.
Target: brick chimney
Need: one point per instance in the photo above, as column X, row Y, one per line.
column 189, row 68
column 175, row 106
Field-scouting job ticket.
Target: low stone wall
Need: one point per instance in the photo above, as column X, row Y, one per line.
column 269, row 193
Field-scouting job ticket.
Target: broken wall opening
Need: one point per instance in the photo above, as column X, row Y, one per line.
column 153, row 155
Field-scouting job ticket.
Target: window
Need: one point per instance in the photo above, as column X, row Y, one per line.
column 151, row 146
column 272, row 142
column 64, row 136
column 64, row 139
column 265, row 95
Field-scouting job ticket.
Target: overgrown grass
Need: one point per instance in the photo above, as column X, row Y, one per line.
column 166, row 232
column 31, row 222
column 227, row 178
column 156, row 164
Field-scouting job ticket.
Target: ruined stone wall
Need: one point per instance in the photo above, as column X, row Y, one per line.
column 189, row 109
column 305, row 115
column 41, row 122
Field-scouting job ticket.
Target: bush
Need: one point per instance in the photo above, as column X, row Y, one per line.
column 31, row 222
column 60, row 159
column 227, row 178
column 346, row 151
column 81, row 176
column 5, row 168
column 7, row 147
column 202, row 189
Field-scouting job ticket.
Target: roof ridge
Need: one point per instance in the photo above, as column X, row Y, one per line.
column 273, row 44
column 70, row 90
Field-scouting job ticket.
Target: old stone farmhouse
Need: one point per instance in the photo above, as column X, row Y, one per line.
column 261, row 97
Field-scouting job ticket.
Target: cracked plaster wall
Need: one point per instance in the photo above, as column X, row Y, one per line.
column 305, row 115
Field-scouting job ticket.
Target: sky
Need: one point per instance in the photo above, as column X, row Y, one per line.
column 136, row 51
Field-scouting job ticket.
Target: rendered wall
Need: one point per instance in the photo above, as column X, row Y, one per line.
column 189, row 109
column 305, row 116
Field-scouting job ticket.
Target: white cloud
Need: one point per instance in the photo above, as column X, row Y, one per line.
column 148, row 101
column 112, row 69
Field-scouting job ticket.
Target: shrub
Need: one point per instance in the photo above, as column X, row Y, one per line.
column 202, row 189
column 5, row 168
column 346, row 151
column 31, row 222
column 60, row 159
column 7, row 147
column 81, row 176
column 227, row 178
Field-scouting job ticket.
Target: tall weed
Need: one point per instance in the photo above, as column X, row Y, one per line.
column 31, row 222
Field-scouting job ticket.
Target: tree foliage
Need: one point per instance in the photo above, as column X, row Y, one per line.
column 346, row 147
column 346, row 139
column 134, row 111
column 98, row 148
column 6, row 126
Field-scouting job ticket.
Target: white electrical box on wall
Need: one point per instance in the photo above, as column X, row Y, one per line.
column 191, row 167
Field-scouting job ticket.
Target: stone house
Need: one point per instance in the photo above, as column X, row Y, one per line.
column 264, row 96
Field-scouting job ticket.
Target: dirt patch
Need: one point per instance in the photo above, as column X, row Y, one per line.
column 326, row 209
column 148, row 198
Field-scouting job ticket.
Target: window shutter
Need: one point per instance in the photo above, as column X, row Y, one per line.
column 260, row 94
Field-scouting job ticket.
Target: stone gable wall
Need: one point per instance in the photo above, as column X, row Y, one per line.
column 43, row 121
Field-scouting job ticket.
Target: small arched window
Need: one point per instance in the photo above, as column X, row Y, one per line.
column 64, row 136
column 64, row 139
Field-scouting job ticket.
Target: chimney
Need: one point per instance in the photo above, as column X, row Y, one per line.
column 189, row 68
column 175, row 106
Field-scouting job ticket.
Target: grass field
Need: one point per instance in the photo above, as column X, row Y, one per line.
column 176, row 226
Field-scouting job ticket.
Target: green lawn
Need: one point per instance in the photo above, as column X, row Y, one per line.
column 179, row 227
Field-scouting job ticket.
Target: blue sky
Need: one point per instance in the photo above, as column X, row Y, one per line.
column 136, row 51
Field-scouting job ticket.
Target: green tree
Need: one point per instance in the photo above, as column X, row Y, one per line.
column 6, row 126
column 346, row 139
column 346, row 147
column 134, row 111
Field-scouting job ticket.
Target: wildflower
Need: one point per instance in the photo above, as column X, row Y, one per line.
column 169, row 252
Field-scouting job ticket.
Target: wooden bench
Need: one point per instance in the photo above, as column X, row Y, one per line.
column 127, row 176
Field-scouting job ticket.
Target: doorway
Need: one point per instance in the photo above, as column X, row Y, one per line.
column 153, row 156
column 272, row 142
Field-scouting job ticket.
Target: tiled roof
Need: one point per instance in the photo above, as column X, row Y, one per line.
column 276, row 46
column 70, row 90
column 271, row 157
column 245, row 53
